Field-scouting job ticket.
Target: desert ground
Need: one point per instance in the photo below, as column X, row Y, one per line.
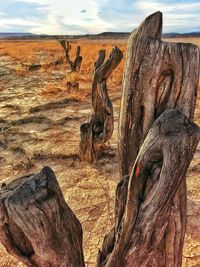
column 40, row 117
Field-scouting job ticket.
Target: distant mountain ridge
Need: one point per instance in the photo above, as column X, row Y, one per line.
column 8, row 34
column 176, row 34
column 103, row 35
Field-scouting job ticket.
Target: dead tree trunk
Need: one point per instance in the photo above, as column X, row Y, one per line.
column 157, row 76
column 36, row 225
column 99, row 129
column 76, row 65
column 143, row 235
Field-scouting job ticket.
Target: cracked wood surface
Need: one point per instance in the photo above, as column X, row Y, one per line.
column 37, row 226
column 145, row 204
column 157, row 76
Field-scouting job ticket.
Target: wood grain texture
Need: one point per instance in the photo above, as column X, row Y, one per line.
column 145, row 234
column 102, row 120
column 36, row 225
column 157, row 76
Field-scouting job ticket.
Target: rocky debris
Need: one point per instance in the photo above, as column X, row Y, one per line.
column 72, row 85
column 34, row 67
column 53, row 105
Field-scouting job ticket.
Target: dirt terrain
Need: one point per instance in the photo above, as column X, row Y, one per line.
column 39, row 121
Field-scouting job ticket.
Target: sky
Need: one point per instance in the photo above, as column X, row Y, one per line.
column 95, row 16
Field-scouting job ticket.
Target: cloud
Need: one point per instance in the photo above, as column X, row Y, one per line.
column 95, row 16
column 52, row 16
column 125, row 15
column 2, row 14
column 178, row 16
column 166, row 6
column 65, row 17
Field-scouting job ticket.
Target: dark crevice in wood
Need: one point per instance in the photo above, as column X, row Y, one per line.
column 166, row 80
column 144, row 206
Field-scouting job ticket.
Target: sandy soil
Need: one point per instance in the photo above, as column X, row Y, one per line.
column 34, row 135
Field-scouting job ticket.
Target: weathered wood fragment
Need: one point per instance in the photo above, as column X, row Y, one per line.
column 36, row 224
column 101, row 123
column 76, row 64
column 143, row 233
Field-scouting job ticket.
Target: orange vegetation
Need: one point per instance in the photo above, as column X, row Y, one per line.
column 27, row 53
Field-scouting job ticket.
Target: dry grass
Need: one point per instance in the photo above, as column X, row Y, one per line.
column 45, row 52
column 28, row 51
column 192, row 40
column 61, row 90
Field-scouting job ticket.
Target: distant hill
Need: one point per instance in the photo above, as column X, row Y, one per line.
column 15, row 34
column 113, row 35
column 103, row 35
column 176, row 35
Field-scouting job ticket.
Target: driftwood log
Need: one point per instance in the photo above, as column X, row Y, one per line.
column 76, row 64
column 36, row 225
column 99, row 129
column 144, row 203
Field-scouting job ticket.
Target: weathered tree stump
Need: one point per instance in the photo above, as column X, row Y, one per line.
column 144, row 202
column 99, row 129
column 76, row 64
column 157, row 76
column 36, row 225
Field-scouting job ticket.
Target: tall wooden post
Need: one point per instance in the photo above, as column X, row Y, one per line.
column 158, row 76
